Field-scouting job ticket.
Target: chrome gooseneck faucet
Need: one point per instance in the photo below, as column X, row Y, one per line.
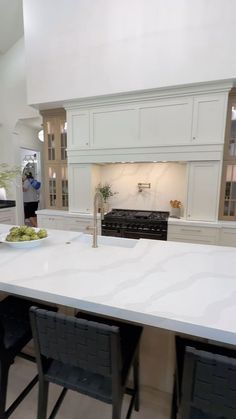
column 97, row 197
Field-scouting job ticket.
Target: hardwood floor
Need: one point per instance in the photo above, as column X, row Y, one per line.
column 154, row 405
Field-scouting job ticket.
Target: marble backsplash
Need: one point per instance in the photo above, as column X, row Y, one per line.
column 168, row 182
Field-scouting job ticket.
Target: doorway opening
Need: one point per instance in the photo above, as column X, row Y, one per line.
column 31, row 164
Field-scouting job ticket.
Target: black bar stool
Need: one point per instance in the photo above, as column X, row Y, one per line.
column 85, row 356
column 205, row 385
column 15, row 334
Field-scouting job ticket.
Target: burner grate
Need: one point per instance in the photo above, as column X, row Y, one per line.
column 122, row 214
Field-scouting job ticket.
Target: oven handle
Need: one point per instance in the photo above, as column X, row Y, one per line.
column 140, row 235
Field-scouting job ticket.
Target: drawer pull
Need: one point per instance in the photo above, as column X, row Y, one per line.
column 191, row 230
column 89, row 228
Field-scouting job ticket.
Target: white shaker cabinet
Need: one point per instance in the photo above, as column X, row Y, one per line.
column 78, row 129
column 62, row 220
column 203, row 190
column 183, row 120
column 7, row 216
column 166, row 122
column 84, row 225
column 187, row 119
column 53, row 222
column 114, row 127
column 192, row 234
column 209, row 118
column 227, row 236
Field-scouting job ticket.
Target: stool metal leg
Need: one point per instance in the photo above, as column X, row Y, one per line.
column 4, row 369
column 43, row 399
column 136, row 383
column 174, row 405
column 116, row 411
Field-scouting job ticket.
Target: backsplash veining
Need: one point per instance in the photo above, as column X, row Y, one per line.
column 168, row 181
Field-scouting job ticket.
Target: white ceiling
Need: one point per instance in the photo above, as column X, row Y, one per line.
column 11, row 23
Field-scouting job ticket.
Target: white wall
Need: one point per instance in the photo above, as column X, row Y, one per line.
column 13, row 108
column 13, row 103
column 168, row 181
column 81, row 48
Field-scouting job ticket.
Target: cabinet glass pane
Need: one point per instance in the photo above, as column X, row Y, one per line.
column 52, row 177
column 55, row 151
column 64, row 187
column 232, row 139
column 230, row 191
column 51, row 141
column 63, row 133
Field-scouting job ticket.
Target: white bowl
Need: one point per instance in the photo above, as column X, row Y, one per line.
column 23, row 244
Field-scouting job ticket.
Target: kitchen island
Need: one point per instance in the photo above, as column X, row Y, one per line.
column 166, row 286
column 180, row 287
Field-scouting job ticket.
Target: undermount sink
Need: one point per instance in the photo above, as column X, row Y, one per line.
column 108, row 241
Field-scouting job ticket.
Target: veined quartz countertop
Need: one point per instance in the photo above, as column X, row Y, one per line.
column 61, row 213
column 199, row 223
column 182, row 287
column 171, row 220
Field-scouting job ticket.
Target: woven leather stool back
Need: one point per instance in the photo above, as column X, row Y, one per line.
column 76, row 342
column 86, row 356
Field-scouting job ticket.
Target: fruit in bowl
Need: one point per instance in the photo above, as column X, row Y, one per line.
column 24, row 233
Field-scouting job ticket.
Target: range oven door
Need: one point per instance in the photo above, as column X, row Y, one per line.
column 130, row 233
column 111, row 233
column 143, row 235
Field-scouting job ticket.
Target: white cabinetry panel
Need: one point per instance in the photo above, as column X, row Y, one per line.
column 67, row 222
column 78, row 129
column 178, row 119
column 227, row 237
column 203, row 190
column 55, row 223
column 80, row 191
column 209, row 118
column 114, row 127
column 192, row 234
column 7, row 216
column 166, row 122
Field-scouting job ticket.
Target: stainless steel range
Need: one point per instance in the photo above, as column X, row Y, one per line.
column 136, row 224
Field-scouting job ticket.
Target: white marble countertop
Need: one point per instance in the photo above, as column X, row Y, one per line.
column 201, row 223
column 61, row 213
column 187, row 288
column 171, row 220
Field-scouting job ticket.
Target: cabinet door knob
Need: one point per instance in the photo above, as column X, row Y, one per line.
column 194, row 138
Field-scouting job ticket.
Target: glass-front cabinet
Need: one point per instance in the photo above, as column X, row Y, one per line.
column 55, row 158
column 228, row 186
